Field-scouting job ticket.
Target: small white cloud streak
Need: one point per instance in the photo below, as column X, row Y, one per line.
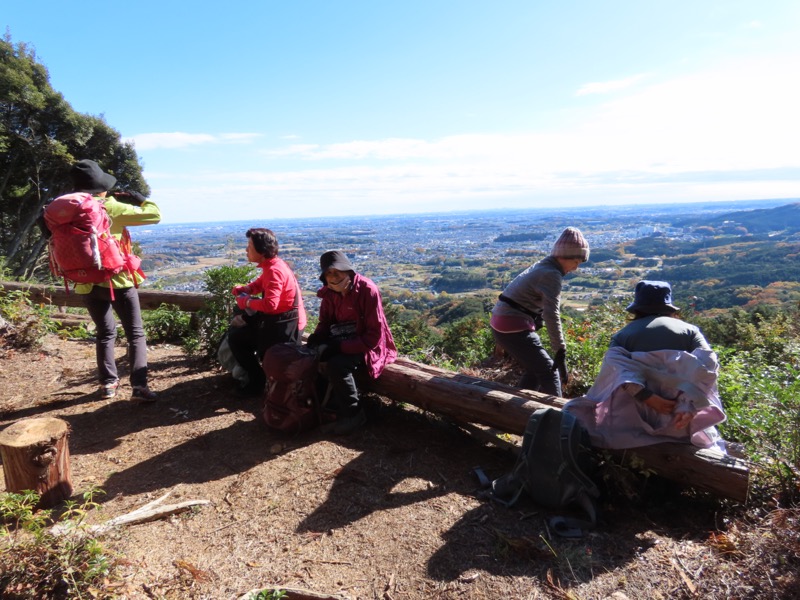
column 177, row 139
column 606, row 87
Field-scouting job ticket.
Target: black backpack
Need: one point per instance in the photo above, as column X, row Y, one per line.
column 552, row 468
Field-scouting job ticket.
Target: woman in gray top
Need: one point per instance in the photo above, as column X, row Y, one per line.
column 533, row 299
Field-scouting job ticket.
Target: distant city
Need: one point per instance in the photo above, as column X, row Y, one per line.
column 403, row 251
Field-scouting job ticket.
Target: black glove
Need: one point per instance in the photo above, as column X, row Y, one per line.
column 316, row 339
column 129, row 197
column 328, row 349
column 560, row 365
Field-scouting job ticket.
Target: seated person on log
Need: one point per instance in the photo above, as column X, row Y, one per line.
column 531, row 300
column 352, row 335
column 657, row 383
column 272, row 309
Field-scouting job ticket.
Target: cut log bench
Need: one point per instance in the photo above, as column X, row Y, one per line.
column 35, row 455
column 472, row 400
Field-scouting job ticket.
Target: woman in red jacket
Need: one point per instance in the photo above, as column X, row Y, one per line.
column 273, row 309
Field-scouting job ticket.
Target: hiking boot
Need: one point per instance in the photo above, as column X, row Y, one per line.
column 109, row 390
column 142, row 393
column 346, row 425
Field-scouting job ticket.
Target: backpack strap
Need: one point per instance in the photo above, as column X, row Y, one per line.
column 574, row 527
column 133, row 264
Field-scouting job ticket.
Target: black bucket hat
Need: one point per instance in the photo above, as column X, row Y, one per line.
column 333, row 259
column 653, row 298
column 87, row 176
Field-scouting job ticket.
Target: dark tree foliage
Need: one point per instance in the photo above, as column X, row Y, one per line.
column 600, row 255
column 40, row 137
column 461, row 308
column 458, row 281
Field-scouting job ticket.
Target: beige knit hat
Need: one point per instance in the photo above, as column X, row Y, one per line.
column 571, row 244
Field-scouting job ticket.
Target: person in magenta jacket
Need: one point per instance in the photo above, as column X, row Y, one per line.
column 272, row 309
column 352, row 334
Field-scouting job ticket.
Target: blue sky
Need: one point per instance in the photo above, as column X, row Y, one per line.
column 272, row 109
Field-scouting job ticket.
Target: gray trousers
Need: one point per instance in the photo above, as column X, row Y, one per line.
column 526, row 348
column 126, row 305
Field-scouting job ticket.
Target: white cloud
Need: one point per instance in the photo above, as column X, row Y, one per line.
column 606, row 87
column 178, row 139
column 724, row 134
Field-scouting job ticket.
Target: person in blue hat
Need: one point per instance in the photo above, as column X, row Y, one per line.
column 655, row 327
column 657, row 383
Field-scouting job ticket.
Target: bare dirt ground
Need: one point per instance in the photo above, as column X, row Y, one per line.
column 389, row 512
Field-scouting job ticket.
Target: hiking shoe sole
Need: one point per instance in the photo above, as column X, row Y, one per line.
column 109, row 390
column 143, row 394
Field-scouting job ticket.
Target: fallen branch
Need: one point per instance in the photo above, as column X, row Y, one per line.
column 149, row 512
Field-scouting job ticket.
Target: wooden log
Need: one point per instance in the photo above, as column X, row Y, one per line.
column 65, row 320
column 35, row 455
column 458, row 396
column 470, row 399
column 148, row 299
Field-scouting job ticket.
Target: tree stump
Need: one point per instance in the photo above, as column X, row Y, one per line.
column 35, row 455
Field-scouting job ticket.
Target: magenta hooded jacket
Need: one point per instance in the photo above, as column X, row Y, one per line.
column 363, row 305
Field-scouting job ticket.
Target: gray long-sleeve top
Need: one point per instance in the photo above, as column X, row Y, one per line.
column 538, row 288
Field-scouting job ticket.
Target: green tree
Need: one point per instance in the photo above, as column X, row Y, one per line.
column 40, row 137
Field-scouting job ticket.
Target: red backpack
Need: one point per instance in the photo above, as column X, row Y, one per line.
column 290, row 399
column 82, row 248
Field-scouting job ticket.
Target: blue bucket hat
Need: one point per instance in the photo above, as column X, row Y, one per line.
column 653, row 298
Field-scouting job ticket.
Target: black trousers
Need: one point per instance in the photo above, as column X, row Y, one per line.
column 248, row 343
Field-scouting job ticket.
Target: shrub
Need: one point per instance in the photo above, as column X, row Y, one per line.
column 27, row 323
column 213, row 319
column 588, row 335
column 36, row 563
column 468, row 341
column 167, row 323
column 762, row 401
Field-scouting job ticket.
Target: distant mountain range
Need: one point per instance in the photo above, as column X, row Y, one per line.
column 763, row 220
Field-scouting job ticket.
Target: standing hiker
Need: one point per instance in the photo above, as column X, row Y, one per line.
column 531, row 300
column 119, row 294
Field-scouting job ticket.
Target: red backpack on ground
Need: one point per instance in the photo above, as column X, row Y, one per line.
column 82, row 248
column 291, row 404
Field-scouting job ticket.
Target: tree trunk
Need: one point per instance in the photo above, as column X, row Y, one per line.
column 35, row 455
column 31, row 262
